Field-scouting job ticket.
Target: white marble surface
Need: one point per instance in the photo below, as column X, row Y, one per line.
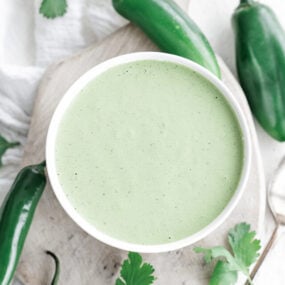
column 214, row 18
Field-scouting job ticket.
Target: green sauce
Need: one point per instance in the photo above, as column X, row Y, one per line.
column 149, row 152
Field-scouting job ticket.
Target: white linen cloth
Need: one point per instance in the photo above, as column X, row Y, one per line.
column 29, row 43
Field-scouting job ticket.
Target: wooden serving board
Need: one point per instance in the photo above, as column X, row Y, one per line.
column 85, row 260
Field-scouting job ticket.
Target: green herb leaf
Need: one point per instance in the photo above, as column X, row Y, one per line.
column 4, row 145
column 53, row 8
column 135, row 272
column 244, row 245
column 223, row 275
column 245, row 252
column 215, row 252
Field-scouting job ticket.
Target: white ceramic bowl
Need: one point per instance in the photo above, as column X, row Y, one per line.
column 74, row 91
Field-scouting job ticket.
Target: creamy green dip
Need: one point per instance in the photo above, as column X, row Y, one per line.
column 149, row 152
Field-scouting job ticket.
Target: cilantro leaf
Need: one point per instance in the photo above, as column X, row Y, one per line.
column 244, row 246
column 245, row 252
column 135, row 272
column 223, row 275
column 4, row 145
column 53, row 8
column 215, row 252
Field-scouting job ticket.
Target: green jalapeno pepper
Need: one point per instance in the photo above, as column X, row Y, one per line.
column 260, row 60
column 171, row 29
column 16, row 215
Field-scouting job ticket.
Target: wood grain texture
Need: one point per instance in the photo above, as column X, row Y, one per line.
column 85, row 260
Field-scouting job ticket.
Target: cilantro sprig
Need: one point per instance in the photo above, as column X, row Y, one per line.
column 53, row 8
column 245, row 250
column 135, row 272
column 4, row 145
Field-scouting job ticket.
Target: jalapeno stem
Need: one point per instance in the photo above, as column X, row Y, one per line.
column 43, row 164
column 13, row 144
column 57, row 267
column 40, row 168
column 246, row 2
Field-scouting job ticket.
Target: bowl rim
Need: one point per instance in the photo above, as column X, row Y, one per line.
column 74, row 90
